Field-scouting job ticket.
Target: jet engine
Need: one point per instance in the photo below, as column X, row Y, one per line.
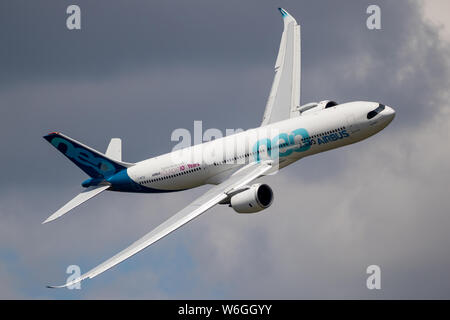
column 258, row 197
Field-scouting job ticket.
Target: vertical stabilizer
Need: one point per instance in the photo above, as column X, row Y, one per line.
column 92, row 162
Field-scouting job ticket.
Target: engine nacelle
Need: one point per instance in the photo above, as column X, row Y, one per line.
column 258, row 197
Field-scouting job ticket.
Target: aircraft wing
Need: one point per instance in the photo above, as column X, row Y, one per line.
column 284, row 97
column 212, row 197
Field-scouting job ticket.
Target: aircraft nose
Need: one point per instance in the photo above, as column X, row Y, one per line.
column 389, row 113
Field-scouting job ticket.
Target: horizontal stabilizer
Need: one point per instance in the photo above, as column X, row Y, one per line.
column 79, row 199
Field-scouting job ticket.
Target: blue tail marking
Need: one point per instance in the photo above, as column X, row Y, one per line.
column 93, row 163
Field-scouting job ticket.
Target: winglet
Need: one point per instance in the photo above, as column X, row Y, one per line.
column 286, row 16
column 55, row 287
column 68, row 284
column 283, row 12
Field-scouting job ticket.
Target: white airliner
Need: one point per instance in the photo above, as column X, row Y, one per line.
column 288, row 132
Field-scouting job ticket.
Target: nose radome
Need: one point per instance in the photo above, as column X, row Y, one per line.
column 390, row 112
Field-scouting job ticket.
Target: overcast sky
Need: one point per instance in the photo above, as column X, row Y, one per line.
column 140, row 69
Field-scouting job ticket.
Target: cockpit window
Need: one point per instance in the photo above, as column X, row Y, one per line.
column 373, row 113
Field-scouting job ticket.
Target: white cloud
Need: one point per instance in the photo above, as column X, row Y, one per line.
column 436, row 12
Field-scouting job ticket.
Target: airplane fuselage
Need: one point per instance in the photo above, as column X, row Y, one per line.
column 284, row 142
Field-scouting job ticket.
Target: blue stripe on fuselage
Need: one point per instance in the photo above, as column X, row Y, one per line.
column 121, row 181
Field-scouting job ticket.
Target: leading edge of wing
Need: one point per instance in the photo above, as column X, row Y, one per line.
column 193, row 210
